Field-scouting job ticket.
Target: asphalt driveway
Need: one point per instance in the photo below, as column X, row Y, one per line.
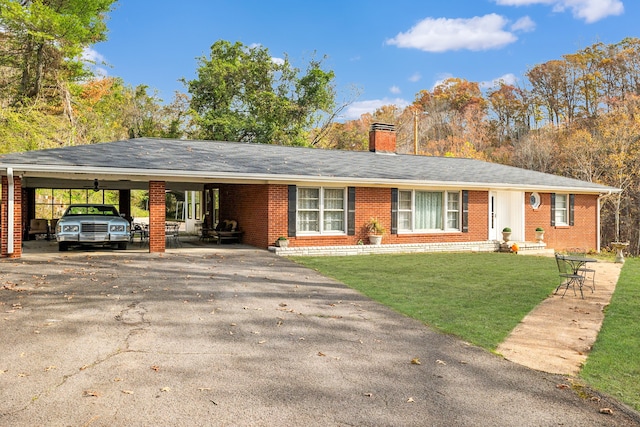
column 234, row 336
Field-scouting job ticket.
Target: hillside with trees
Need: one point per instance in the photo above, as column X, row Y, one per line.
column 576, row 116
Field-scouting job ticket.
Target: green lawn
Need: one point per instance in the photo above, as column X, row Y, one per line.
column 613, row 365
column 481, row 297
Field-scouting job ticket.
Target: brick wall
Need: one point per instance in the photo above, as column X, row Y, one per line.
column 17, row 218
column 583, row 234
column 157, row 216
column 249, row 205
column 261, row 212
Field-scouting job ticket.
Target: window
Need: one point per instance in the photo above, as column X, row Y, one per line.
column 429, row 210
column 561, row 209
column 321, row 210
column 51, row 203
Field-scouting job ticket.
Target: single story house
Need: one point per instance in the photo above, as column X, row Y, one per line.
column 315, row 197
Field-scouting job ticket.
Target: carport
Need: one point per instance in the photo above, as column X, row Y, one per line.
column 96, row 167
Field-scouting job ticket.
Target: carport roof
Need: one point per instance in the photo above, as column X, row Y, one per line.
column 170, row 160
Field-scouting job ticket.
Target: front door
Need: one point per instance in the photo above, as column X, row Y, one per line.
column 506, row 209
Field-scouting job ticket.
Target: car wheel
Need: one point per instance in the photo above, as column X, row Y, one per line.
column 122, row 246
column 62, row 247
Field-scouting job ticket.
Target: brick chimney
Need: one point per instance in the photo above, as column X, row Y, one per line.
column 382, row 138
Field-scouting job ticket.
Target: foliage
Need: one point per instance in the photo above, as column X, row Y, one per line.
column 468, row 295
column 43, row 43
column 576, row 116
column 613, row 364
column 242, row 94
column 375, row 227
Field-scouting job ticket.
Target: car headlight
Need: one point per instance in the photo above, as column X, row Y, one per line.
column 117, row 228
column 70, row 228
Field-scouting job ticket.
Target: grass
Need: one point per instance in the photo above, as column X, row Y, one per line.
column 482, row 297
column 479, row 297
column 613, row 365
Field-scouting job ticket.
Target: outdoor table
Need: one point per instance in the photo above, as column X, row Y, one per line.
column 577, row 262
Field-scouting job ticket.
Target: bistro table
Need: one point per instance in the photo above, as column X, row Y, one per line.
column 575, row 263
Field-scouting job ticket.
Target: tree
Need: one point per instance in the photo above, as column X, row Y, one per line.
column 242, row 94
column 42, row 42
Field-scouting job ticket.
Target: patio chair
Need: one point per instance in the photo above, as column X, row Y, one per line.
column 172, row 234
column 38, row 227
column 568, row 278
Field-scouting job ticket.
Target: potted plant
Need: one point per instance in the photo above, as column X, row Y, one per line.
column 539, row 234
column 506, row 234
column 282, row 242
column 375, row 230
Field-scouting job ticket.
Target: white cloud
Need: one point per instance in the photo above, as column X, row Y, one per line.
column 442, row 34
column 94, row 58
column 441, row 78
column 395, row 90
column 525, row 24
column 589, row 10
column 278, row 61
column 357, row 109
column 415, row 77
column 509, row 79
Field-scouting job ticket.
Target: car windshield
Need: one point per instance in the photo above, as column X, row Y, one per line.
column 91, row 210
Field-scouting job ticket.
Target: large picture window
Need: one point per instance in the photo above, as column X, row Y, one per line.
column 321, row 210
column 429, row 210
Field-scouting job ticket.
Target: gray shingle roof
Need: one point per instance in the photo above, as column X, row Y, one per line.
column 171, row 159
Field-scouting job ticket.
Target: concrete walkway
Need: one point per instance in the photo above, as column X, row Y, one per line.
column 557, row 335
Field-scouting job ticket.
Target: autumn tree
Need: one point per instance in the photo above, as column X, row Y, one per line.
column 242, row 93
column 42, row 43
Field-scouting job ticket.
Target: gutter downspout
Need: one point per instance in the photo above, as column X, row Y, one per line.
column 599, row 239
column 10, row 207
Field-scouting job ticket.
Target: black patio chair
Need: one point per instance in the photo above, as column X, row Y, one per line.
column 568, row 278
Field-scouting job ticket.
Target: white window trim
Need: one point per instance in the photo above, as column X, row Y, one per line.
column 321, row 210
column 445, row 211
column 565, row 210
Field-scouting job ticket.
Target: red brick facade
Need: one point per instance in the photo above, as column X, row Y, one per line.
column 262, row 213
column 17, row 218
column 583, row 233
column 157, row 216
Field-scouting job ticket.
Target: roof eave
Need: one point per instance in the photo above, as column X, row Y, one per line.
column 84, row 172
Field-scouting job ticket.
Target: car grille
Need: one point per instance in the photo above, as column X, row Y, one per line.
column 90, row 227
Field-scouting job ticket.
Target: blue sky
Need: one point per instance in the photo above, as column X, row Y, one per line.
column 382, row 51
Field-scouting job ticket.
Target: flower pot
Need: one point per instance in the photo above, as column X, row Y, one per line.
column 282, row 243
column 539, row 236
column 375, row 239
column 506, row 235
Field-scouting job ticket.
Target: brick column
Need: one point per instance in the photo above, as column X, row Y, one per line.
column 157, row 216
column 17, row 218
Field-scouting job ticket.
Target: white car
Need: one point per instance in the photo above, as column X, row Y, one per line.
column 92, row 224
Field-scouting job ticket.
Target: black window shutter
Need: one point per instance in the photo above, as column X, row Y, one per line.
column 351, row 212
column 572, row 200
column 292, row 209
column 553, row 209
column 394, row 211
column 465, row 211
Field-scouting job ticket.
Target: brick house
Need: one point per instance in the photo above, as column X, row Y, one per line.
column 317, row 198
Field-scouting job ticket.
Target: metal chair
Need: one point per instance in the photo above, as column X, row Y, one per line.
column 568, row 277
column 172, row 234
